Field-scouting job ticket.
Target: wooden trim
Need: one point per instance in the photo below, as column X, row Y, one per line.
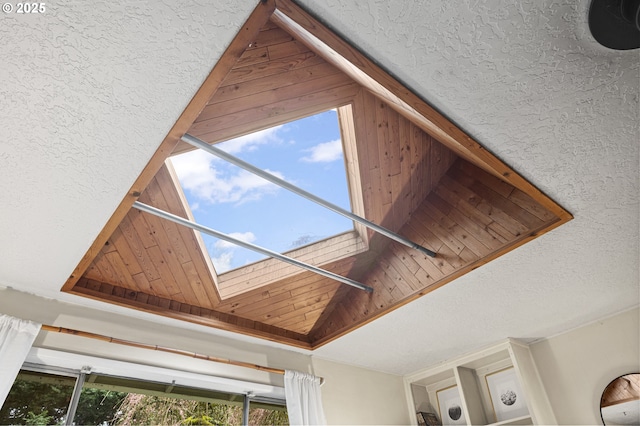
column 338, row 52
column 257, row 19
column 88, row 335
column 346, row 121
column 236, row 325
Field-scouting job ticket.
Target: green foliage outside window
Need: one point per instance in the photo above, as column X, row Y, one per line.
column 149, row 409
column 41, row 399
column 37, row 402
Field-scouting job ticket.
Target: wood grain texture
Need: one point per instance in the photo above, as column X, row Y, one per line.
column 266, row 272
column 155, row 256
column 278, row 79
column 461, row 220
column 346, row 120
column 304, row 294
column 397, row 162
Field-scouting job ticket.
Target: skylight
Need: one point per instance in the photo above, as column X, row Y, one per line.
column 306, row 152
column 409, row 169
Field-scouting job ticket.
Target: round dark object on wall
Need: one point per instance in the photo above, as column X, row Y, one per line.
column 508, row 398
column 615, row 23
column 455, row 412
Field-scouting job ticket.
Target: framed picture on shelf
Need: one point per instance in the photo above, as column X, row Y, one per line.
column 450, row 406
column 506, row 395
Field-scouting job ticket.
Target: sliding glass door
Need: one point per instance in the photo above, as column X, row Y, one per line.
column 40, row 398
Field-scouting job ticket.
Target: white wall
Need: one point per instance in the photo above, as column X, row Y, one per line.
column 351, row 395
column 357, row 396
column 150, row 329
column 576, row 366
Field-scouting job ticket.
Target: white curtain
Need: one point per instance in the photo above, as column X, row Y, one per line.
column 304, row 402
column 16, row 338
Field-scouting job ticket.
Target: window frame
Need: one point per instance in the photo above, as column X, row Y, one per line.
column 352, row 242
column 80, row 367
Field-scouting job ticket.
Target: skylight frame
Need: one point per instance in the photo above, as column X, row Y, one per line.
column 350, row 243
column 336, row 212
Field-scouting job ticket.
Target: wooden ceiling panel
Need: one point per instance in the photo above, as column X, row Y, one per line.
column 270, row 271
column 449, row 222
column 399, row 163
column 289, row 288
column 276, row 80
column 300, row 75
column 244, row 122
column 155, row 256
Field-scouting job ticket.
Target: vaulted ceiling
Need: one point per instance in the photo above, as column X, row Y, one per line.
column 410, row 170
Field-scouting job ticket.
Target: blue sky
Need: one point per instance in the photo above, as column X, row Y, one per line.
column 306, row 153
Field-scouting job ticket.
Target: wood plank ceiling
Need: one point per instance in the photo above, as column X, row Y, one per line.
column 409, row 170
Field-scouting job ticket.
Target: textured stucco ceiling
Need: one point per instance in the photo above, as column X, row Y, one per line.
column 90, row 89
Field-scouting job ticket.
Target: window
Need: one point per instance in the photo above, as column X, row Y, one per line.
column 307, row 153
column 262, row 412
column 39, row 397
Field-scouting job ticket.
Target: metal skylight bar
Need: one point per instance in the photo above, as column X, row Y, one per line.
column 193, row 225
column 191, row 140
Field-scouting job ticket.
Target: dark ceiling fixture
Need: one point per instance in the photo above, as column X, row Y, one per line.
column 615, row 23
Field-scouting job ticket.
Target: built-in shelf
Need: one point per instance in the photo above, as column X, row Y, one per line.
column 429, row 389
column 523, row 420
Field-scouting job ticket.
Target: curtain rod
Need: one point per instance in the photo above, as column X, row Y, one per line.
column 108, row 339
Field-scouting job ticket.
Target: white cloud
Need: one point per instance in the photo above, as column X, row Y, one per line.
column 247, row 237
column 251, row 141
column 212, row 181
column 224, row 251
column 222, row 263
column 192, row 167
column 324, row 152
